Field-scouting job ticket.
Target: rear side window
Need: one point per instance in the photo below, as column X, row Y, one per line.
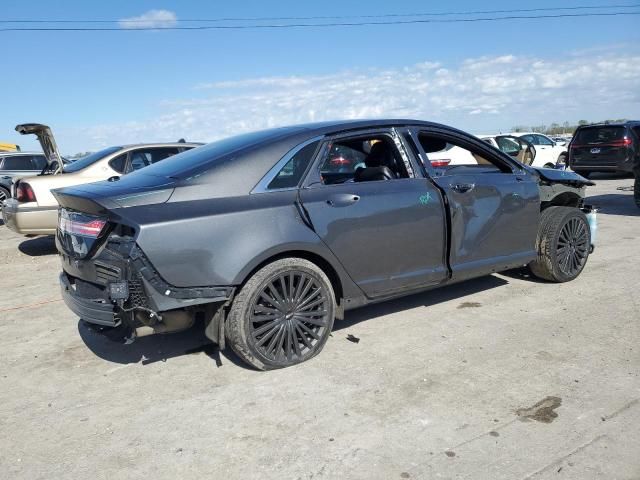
column 22, row 162
column 292, row 172
column 596, row 135
column 119, row 163
column 144, row 157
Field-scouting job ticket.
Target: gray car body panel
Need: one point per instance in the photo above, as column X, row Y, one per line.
column 205, row 227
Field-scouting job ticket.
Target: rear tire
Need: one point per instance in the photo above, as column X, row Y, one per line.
column 283, row 315
column 563, row 244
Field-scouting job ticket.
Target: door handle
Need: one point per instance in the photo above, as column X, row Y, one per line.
column 463, row 187
column 342, row 199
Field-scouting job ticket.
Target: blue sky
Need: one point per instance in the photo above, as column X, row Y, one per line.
column 102, row 88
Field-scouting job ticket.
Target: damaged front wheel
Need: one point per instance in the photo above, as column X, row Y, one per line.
column 563, row 244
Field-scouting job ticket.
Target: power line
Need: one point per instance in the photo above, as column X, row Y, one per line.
column 313, row 25
column 342, row 17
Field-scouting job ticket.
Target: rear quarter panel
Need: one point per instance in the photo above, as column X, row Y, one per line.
column 221, row 241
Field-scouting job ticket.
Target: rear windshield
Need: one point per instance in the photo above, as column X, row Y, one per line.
column 595, row 135
column 203, row 157
column 88, row 160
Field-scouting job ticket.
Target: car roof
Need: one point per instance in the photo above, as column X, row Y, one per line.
column 21, row 153
column 612, row 124
column 160, row 144
column 336, row 126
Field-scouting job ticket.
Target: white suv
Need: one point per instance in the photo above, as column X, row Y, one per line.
column 548, row 153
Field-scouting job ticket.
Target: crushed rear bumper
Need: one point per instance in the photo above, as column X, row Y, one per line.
column 95, row 311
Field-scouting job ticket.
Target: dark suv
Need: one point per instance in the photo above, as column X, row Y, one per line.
column 613, row 147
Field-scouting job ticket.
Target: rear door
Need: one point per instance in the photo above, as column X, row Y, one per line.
column 494, row 206
column 390, row 235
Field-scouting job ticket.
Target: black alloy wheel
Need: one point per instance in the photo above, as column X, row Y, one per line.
column 289, row 316
column 563, row 244
column 283, row 315
column 573, row 246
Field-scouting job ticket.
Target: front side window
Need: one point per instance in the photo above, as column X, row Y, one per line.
column 292, row 172
column 542, row 140
column 508, row 146
column 138, row 160
column 361, row 159
column 449, row 155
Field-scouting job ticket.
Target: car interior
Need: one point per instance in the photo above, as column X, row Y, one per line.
column 362, row 159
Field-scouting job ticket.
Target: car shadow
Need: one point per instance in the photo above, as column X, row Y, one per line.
column 614, row 204
column 154, row 348
column 595, row 176
column 39, row 246
column 423, row 299
column 160, row 348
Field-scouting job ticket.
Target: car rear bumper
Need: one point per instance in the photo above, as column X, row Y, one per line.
column 622, row 166
column 111, row 287
column 92, row 311
column 29, row 220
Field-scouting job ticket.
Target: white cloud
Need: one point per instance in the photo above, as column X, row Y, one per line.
column 480, row 94
column 150, row 19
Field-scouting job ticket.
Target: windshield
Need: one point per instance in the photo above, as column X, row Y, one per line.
column 596, row 135
column 88, row 160
column 206, row 156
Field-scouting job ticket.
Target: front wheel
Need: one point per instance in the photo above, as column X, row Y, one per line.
column 563, row 244
column 283, row 315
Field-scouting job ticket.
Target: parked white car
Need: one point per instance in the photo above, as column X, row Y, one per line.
column 516, row 147
column 451, row 155
column 548, row 153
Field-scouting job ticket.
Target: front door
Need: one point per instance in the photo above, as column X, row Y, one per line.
column 389, row 233
column 494, row 207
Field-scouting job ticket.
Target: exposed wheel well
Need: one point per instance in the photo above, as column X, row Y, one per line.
column 325, row 266
column 566, row 199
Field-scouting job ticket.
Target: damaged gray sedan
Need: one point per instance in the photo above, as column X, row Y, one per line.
column 264, row 239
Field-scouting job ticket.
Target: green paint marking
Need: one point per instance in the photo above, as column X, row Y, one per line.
column 425, row 199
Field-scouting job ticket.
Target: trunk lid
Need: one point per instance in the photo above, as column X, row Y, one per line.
column 88, row 213
column 47, row 142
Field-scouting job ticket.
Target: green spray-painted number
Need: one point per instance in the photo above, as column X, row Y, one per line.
column 425, row 199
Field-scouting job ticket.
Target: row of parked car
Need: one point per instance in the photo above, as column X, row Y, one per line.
column 28, row 179
column 265, row 238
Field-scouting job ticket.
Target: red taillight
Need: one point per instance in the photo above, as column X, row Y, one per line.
column 24, row 193
column 80, row 225
column 440, row 163
column 625, row 142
